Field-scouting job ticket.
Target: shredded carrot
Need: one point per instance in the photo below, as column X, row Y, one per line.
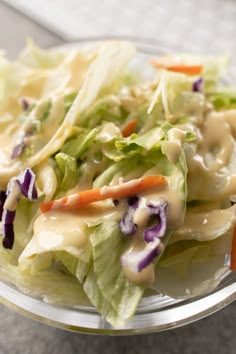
column 129, row 128
column 194, row 69
column 94, row 195
column 233, row 252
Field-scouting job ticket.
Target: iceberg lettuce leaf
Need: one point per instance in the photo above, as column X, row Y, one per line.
column 69, row 172
column 112, row 293
column 52, row 285
column 205, row 223
column 223, row 98
column 77, row 146
column 190, row 268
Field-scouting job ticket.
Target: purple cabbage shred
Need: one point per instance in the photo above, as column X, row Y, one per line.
column 3, row 197
column 8, row 228
column 136, row 261
column 148, row 256
column 25, row 104
column 24, row 184
column 159, row 229
column 198, row 85
column 127, row 225
column 18, row 149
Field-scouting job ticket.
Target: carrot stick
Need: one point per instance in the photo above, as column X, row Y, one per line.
column 129, row 128
column 94, row 195
column 194, row 69
column 233, row 252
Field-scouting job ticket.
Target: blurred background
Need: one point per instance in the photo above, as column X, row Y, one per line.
column 207, row 25
column 201, row 26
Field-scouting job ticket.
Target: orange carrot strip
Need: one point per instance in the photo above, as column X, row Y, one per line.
column 129, row 128
column 233, row 252
column 94, row 195
column 194, row 69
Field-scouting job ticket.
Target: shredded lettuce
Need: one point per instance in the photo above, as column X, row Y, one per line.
column 53, row 285
column 192, row 268
column 223, row 98
column 68, row 168
column 77, row 146
column 36, row 57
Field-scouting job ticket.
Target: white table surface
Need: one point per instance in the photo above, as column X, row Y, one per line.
column 215, row 334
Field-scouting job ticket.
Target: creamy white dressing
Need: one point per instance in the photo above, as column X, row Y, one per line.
column 109, row 132
column 58, row 109
column 174, row 198
column 66, row 230
column 172, row 150
column 8, row 167
column 141, row 216
column 5, row 150
column 69, row 75
column 147, row 274
column 49, row 126
column 60, row 229
column 175, row 215
column 195, row 161
column 230, row 118
column 54, row 119
column 6, row 119
column 46, row 180
column 64, row 131
column 39, row 109
column 195, row 106
column 33, row 84
column 205, row 226
column 173, row 147
column 212, row 152
column 176, row 134
column 13, row 197
column 106, row 190
column 154, row 137
column 129, row 103
column 145, row 277
column 230, row 188
column 216, row 135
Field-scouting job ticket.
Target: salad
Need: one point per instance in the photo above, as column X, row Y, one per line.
column 112, row 185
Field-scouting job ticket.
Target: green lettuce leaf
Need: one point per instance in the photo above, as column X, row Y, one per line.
column 105, row 109
column 46, row 178
column 39, row 58
column 44, row 247
column 103, row 281
column 79, row 267
column 223, row 98
column 205, row 184
column 53, row 285
column 115, row 297
column 68, row 100
column 191, row 268
column 204, row 223
column 25, row 213
column 214, row 69
column 78, row 146
column 68, row 169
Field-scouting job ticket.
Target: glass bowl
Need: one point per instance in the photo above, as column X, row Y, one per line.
column 155, row 312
